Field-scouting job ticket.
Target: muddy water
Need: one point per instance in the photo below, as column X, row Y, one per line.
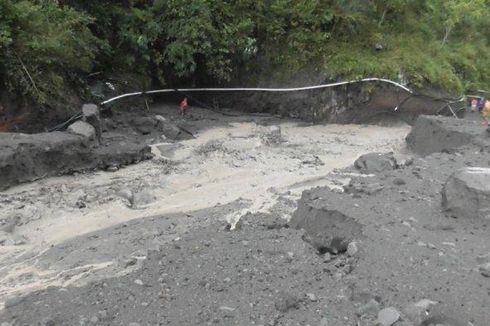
column 238, row 162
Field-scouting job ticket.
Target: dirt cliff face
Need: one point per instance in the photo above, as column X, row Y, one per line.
column 21, row 114
column 364, row 102
column 12, row 111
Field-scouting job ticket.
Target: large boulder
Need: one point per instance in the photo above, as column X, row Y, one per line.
column 466, row 193
column 144, row 125
column 328, row 228
column 169, row 130
column 83, row 129
column 90, row 110
column 172, row 130
column 432, row 134
column 91, row 115
column 375, row 162
column 27, row 157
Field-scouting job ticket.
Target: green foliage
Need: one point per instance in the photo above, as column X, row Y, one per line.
column 201, row 36
column 47, row 46
column 44, row 48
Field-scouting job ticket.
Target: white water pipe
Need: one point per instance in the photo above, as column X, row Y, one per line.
column 242, row 89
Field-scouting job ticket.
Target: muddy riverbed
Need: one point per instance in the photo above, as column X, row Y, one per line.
column 199, row 234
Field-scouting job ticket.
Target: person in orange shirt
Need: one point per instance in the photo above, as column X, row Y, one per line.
column 485, row 112
column 183, row 106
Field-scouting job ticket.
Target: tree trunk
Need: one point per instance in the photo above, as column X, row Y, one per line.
column 382, row 17
column 446, row 35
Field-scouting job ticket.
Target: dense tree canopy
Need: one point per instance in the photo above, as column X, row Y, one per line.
column 49, row 45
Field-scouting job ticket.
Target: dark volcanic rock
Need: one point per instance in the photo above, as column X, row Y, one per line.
column 432, row 134
column 327, row 227
column 25, row 157
column 375, row 162
column 467, row 193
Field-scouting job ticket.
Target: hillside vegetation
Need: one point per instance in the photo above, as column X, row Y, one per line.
column 49, row 46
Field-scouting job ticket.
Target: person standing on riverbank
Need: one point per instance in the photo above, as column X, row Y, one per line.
column 485, row 112
column 474, row 104
column 183, row 106
column 480, row 104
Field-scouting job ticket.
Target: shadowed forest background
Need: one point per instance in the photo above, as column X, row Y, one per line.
column 50, row 49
